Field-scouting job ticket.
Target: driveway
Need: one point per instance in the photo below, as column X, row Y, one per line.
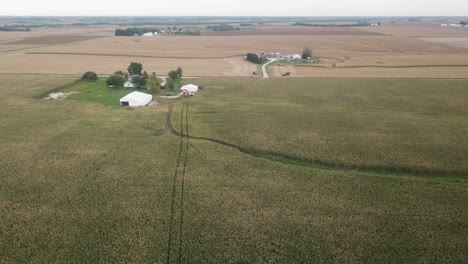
column 265, row 74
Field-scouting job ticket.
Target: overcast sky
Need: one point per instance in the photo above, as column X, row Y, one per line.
column 235, row 7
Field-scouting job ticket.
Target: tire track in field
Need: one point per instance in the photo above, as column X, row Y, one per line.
column 320, row 164
column 174, row 191
column 182, row 212
column 180, row 171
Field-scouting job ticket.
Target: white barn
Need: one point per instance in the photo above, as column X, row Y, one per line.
column 136, row 99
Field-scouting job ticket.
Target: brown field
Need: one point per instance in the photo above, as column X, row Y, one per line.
column 49, row 40
column 452, row 42
column 70, row 64
column 422, row 72
column 401, row 50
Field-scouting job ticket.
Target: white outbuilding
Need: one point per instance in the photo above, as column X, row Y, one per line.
column 129, row 84
column 189, row 89
column 136, row 99
column 296, row 56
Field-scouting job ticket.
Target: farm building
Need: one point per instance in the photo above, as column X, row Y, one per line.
column 292, row 57
column 129, row 84
column 189, row 89
column 136, row 99
column 150, row 34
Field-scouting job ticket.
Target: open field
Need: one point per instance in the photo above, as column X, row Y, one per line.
column 453, row 42
column 50, row 40
column 415, row 125
column 84, row 182
column 250, row 170
column 424, row 47
column 394, row 72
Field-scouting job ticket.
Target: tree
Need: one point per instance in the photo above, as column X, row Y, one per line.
column 116, row 80
column 173, row 75
column 179, row 72
column 119, row 73
column 254, row 58
column 135, row 68
column 89, row 76
column 145, row 75
column 307, row 53
column 139, row 82
column 463, row 23
column 170, row 85
column 153, row 84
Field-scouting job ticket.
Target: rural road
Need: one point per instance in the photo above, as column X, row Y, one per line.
column 265, row 74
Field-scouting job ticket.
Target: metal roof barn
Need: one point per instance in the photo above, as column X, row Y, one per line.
column 136, row 99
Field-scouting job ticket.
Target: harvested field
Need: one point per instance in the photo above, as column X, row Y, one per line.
column 50, row 40
column 279, row 70
column 373, row 71
column 419, row 30
column 215, row 47
column 98, row 31
column 51, row 64
column 6, row 48
column 216, row 54
column 452, row 42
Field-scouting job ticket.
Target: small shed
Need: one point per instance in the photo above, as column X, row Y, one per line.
column 129, row 84
column 189, row 89
column 136, row 99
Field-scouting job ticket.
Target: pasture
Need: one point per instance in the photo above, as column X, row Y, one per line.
column 280, row 171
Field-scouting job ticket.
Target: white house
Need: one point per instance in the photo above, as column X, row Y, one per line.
column 136, row 99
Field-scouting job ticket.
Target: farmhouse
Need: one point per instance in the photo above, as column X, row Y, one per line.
column 136, row 99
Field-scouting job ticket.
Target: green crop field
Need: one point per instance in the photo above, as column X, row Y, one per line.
column 273, row 171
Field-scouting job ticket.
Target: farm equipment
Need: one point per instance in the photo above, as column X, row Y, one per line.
column 286, row 74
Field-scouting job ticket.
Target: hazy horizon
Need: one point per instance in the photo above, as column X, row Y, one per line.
column 358, row 8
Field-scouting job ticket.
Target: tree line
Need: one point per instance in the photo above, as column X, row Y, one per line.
column 222, row 27
column 132, row 31
column 358, row 24
column 14, row 28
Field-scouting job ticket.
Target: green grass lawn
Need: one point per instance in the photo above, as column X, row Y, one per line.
column 97, row 92
column 87, row 183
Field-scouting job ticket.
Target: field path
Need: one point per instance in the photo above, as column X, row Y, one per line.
column 265, row 73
